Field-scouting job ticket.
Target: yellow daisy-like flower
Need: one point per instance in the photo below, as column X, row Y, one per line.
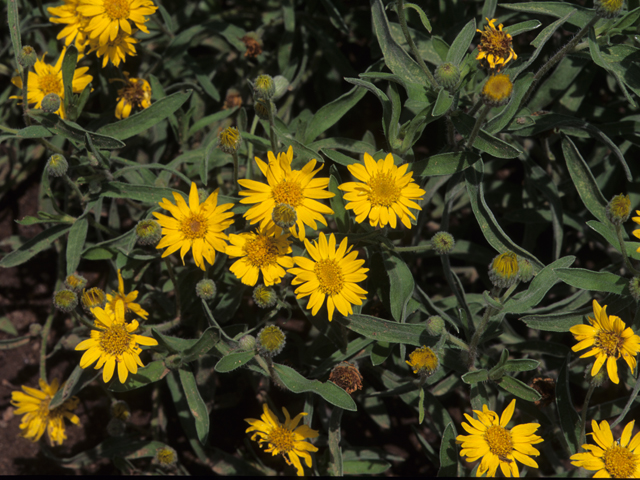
column 74, row 22
column 48, row 79
column 490, row 440
column 497, row 90
column 332, row 274
column 495, row 46
column 295, row 188
column 263, row 251
column 135, row 93
column 636, row 233
column 387, row 192
column 127, row 299
column 196, row 227
column 116, row 50
column 610, row 341
column 611, row 458
column 34, row 405
column 423, row 361
column 108, row 17
column 286, row 439
column 113, row 343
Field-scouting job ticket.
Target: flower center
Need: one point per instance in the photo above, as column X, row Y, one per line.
column 499, row 440
column 384, row 191
column 620, row 462
column 329, row 276
column 495, row 42
column 115, row 340
column 133, row 92
column 282, row 439
column 610, row 342
column 261, row 251
column 51, row 83
column 288, row 192
column 194, row 227
column 117, row 9
column 424, row 359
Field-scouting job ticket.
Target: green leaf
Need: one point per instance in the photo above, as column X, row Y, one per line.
column 475, row 377
column 449, row 453
column 611, row 237
column 594, row 281
column 555, row 322
column 73, row 131
column 444, row 164
column 401, row 284
column 196, row 404
column 380, row 351
column 443, row 103
column 7, row 327
column 75, row 243
column 69, row 63
column 234, row 360
column 37, row 244
column 484, row 141
column 494, row 234
column 569, row 418
column 141, row 193
column 423, row 16
column 209, row 338
column 522, row 27
column 460, row 45
column 387, row 331
column 519, row 389
column 520, row 365
column 153, row 372
column 14, row 30
column 147, row 118
column 329, row 114
column 34, row 131
column 329, row 390
column 581, row 17
column 78, row 379
column 337, row 203
column 12, row 343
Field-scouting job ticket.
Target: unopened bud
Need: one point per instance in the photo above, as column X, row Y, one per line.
column 65, row 300
column 206, row 289
column 27, row 57
column 57, row 165
column 264, row 87
column 51, row 103
column 447, row 75
column 148, row 232
column 442, row 243
column 618, row 209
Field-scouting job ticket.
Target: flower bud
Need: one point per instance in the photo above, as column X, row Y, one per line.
column 281, row 86
column 265, row 297
column 65, row 300
column 447, row 75
column 435, row 326
column 120, row 409
column 247, row 343
column 270, row 341
column 347, row 376
column 525, row 270
column 264, row 108
column 51, row 103
column 166, row 456
column 94, row 297
column 148, row 232
column 264, row 87
column 634, row 288
column 173, row 362
column 608, row 8
column 618, row 209
column 57, row 165
column 35, row 329
column 442, row 243
column 284, row 216
column 27, row 57
column 75, row 282
column 423, row 361
column 497, row 90
column 229, row 140
column 206, row 289
column 503, row 271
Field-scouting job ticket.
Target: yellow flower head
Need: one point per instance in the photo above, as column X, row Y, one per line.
column 608, row 8
column 503, row 271
column 264, row 251
column 34, row 405
column 74, row 22
column 108, row 17
column 497, row 90
column 270, row 341
column 127, row 299
column 618, row 209
column 113, row 343
column 611, row 458
column 296, row 188
column 136, row 93
column 386, row 192
column 610, row 341
column 75, row 282
column 491, row 441
column 286, row 439
column 196, row 227
column 332, row 274
column 495, row 46
column 94, row 297
column 423, row 361
column 48, row 79
column 116, row 50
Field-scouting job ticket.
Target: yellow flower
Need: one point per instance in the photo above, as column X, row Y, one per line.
column 75, row 22
column 330, row 275
column 423, row 361
column 113, row 343
column 497, row 90
column 504, row 269
column 34, row 404
column 495, row 46
column 48, row 79
column 115, row 50
column 286, row 439
column 263, row 251
column 608, row 8
column 94, row 297
column 194, row 227
column 135, row 93
column 496, row 444
column 636, row 233
column 611, row 458
column 127, row 299
column 107, row 17
column 296, row 188
column 387, row 192
column 610, row 341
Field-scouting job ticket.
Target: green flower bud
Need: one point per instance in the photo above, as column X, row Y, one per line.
column 65, row 300
column 229, row 140
column 525, row 270
column 173, row 362
column 94, row 297
column 618, row 209
column 57, row 165
column 148, row 232
column 264, row 87
column 284, row 216
column 263, row 107
column 265, row 297
column 35, row 329
column 247, row 343
column 75, row 282
column 206, row 289
column 435, row 326
column 27, row 57
column 503, row 271
column 443, row 243
column 51, row 103
column 447, row 75
column 608, row 8
column 634, row 288
column 270, row 341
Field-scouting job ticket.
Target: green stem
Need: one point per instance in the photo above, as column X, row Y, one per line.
column 476, row 128
column 252, row 131
column 272, row 132
column 235, row 171
column 627, row 407
column 175, row 285
column 583, row 414
column 456, row 341
column 417, row 248
column 623, row 249
column 163, row 327
column 412, row 46
column 8, row 130
column 84, row 321
column 334, row 437
column 448, row 275
column 75, row 188
column 475, row 340
column 475, row 108
column 43, row 346
column 557, row 57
